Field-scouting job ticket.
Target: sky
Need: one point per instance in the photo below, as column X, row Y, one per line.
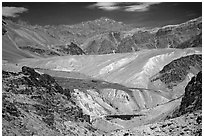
column 152, row 14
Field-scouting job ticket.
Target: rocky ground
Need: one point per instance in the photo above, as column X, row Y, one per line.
column 185, row 121
column 34, row 103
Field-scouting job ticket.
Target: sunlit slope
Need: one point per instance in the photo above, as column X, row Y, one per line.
column 133, row 84
column 10, row 52
column 22, row 42
column 23, row 35
column 129, row 69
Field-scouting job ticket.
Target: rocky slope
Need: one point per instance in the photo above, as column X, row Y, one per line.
column 173, row 36
column 175, row 72
column 120, row 93
column 38, row 104
column 34, row 104
column 185, row 120
column 192, row 100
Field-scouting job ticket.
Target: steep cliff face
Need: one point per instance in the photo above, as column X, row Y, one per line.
column 192, row 99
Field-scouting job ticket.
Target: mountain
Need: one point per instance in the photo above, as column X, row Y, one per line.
column 20, row 41
column 101, row 77
column 101, row 94
column 171, row 36
column 100, row 36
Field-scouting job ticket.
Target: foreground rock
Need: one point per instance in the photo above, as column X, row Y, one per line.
column 192, row 100
column 34, row 104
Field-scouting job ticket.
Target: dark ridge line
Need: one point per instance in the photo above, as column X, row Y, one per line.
column 123, row 117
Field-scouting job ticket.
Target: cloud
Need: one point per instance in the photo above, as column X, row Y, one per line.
column 13, row 11
column 140, row 7
column 108, row 6
column 126, row 6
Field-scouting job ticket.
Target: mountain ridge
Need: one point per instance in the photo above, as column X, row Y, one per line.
column 100, row 36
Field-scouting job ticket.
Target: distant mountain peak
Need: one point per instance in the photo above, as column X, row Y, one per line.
column 105, row 19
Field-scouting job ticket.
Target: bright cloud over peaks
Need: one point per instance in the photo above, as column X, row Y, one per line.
column 126, row 6
column 13, row 11
column 109, row 6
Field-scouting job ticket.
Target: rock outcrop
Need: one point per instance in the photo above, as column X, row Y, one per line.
column 192, row 99
column 34, row 104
